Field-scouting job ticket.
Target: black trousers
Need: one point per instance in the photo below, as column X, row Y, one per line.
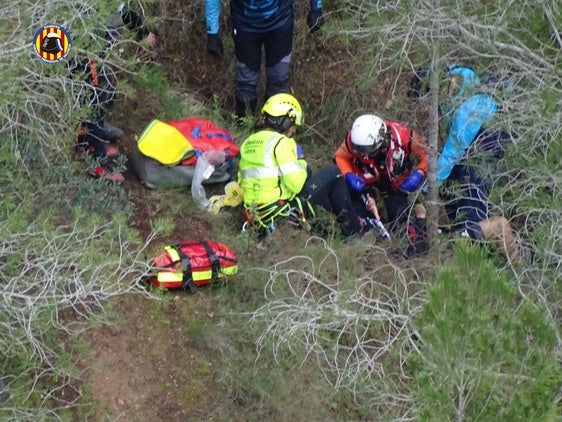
column 249, row 47
column 101, row 99
column 328, row 189
column 396, row 206
column 471, row 204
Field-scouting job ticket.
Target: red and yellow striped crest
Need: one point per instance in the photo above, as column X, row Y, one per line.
column 52, row 43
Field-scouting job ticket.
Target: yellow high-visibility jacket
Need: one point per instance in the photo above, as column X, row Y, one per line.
column 269, row 169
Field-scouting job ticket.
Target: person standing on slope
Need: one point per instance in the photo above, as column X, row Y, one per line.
column 257, row 25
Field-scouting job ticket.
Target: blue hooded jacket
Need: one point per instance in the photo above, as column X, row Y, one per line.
column 465, row 121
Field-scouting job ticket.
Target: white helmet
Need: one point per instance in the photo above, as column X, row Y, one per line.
column 368, row 134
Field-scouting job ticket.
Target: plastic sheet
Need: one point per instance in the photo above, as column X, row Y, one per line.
column 206, row 164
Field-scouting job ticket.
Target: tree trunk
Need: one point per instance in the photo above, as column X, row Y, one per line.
column 433, row 140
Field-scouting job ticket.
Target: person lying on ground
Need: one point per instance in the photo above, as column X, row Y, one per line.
column 469, row 161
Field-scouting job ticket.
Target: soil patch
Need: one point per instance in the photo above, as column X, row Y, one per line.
column 145, row 367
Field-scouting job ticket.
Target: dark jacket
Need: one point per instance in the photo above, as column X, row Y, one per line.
column 254, row 15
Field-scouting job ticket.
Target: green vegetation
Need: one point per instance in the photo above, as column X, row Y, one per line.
column 309, row 328
column 484, row 352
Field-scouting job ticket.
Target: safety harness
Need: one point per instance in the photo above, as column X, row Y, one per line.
column 296, row 211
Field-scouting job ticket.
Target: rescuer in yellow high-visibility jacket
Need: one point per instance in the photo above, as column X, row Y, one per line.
column 271, row 169
column 277, row 181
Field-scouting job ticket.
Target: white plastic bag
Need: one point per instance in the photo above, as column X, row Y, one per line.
column 206, row 164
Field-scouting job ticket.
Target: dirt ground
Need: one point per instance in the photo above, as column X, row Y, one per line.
column 134, row 372
column 144, row 367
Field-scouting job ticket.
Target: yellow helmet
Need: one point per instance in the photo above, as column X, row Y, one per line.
column 282, row 111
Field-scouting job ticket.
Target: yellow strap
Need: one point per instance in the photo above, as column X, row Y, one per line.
column 169, row 276
column 216, row 203
column 208, row 274
column 173, row 253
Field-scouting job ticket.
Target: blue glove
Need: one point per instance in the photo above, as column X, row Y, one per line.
column 300, row 154
column 355, row 182
column 413, row 182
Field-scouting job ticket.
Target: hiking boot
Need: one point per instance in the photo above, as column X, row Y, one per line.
column 81, row 151
column 105, row 171
column 110, row 132
column 244, row 107
column 418, row 241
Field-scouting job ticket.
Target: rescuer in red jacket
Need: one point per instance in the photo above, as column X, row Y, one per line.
column 388, row 158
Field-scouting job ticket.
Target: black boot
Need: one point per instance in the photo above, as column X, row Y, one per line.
column 243, row 107
column 111, row 133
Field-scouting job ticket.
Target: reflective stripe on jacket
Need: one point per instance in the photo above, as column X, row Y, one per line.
column 269, row 169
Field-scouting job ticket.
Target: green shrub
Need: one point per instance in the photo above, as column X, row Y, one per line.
column 485, row 353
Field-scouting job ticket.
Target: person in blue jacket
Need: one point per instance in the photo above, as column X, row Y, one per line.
column 475, row 110
column 258, row 24
column 468, row 115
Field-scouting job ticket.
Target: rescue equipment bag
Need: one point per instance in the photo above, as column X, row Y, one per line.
column 167, row 153
column 191, row 264
column 153, row 175
column 205, row 136
column 164, row 143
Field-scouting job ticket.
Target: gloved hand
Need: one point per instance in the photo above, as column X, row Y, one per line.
column 214, row 45
column 315, row 20
column 413, row 182
column 300, row 154
column 355, row 182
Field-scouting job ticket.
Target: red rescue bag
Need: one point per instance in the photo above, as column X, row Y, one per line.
column 205, row 135
column 192, row 263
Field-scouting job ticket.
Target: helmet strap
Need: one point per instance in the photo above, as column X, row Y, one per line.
column 280, row 124
column 285, row 124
